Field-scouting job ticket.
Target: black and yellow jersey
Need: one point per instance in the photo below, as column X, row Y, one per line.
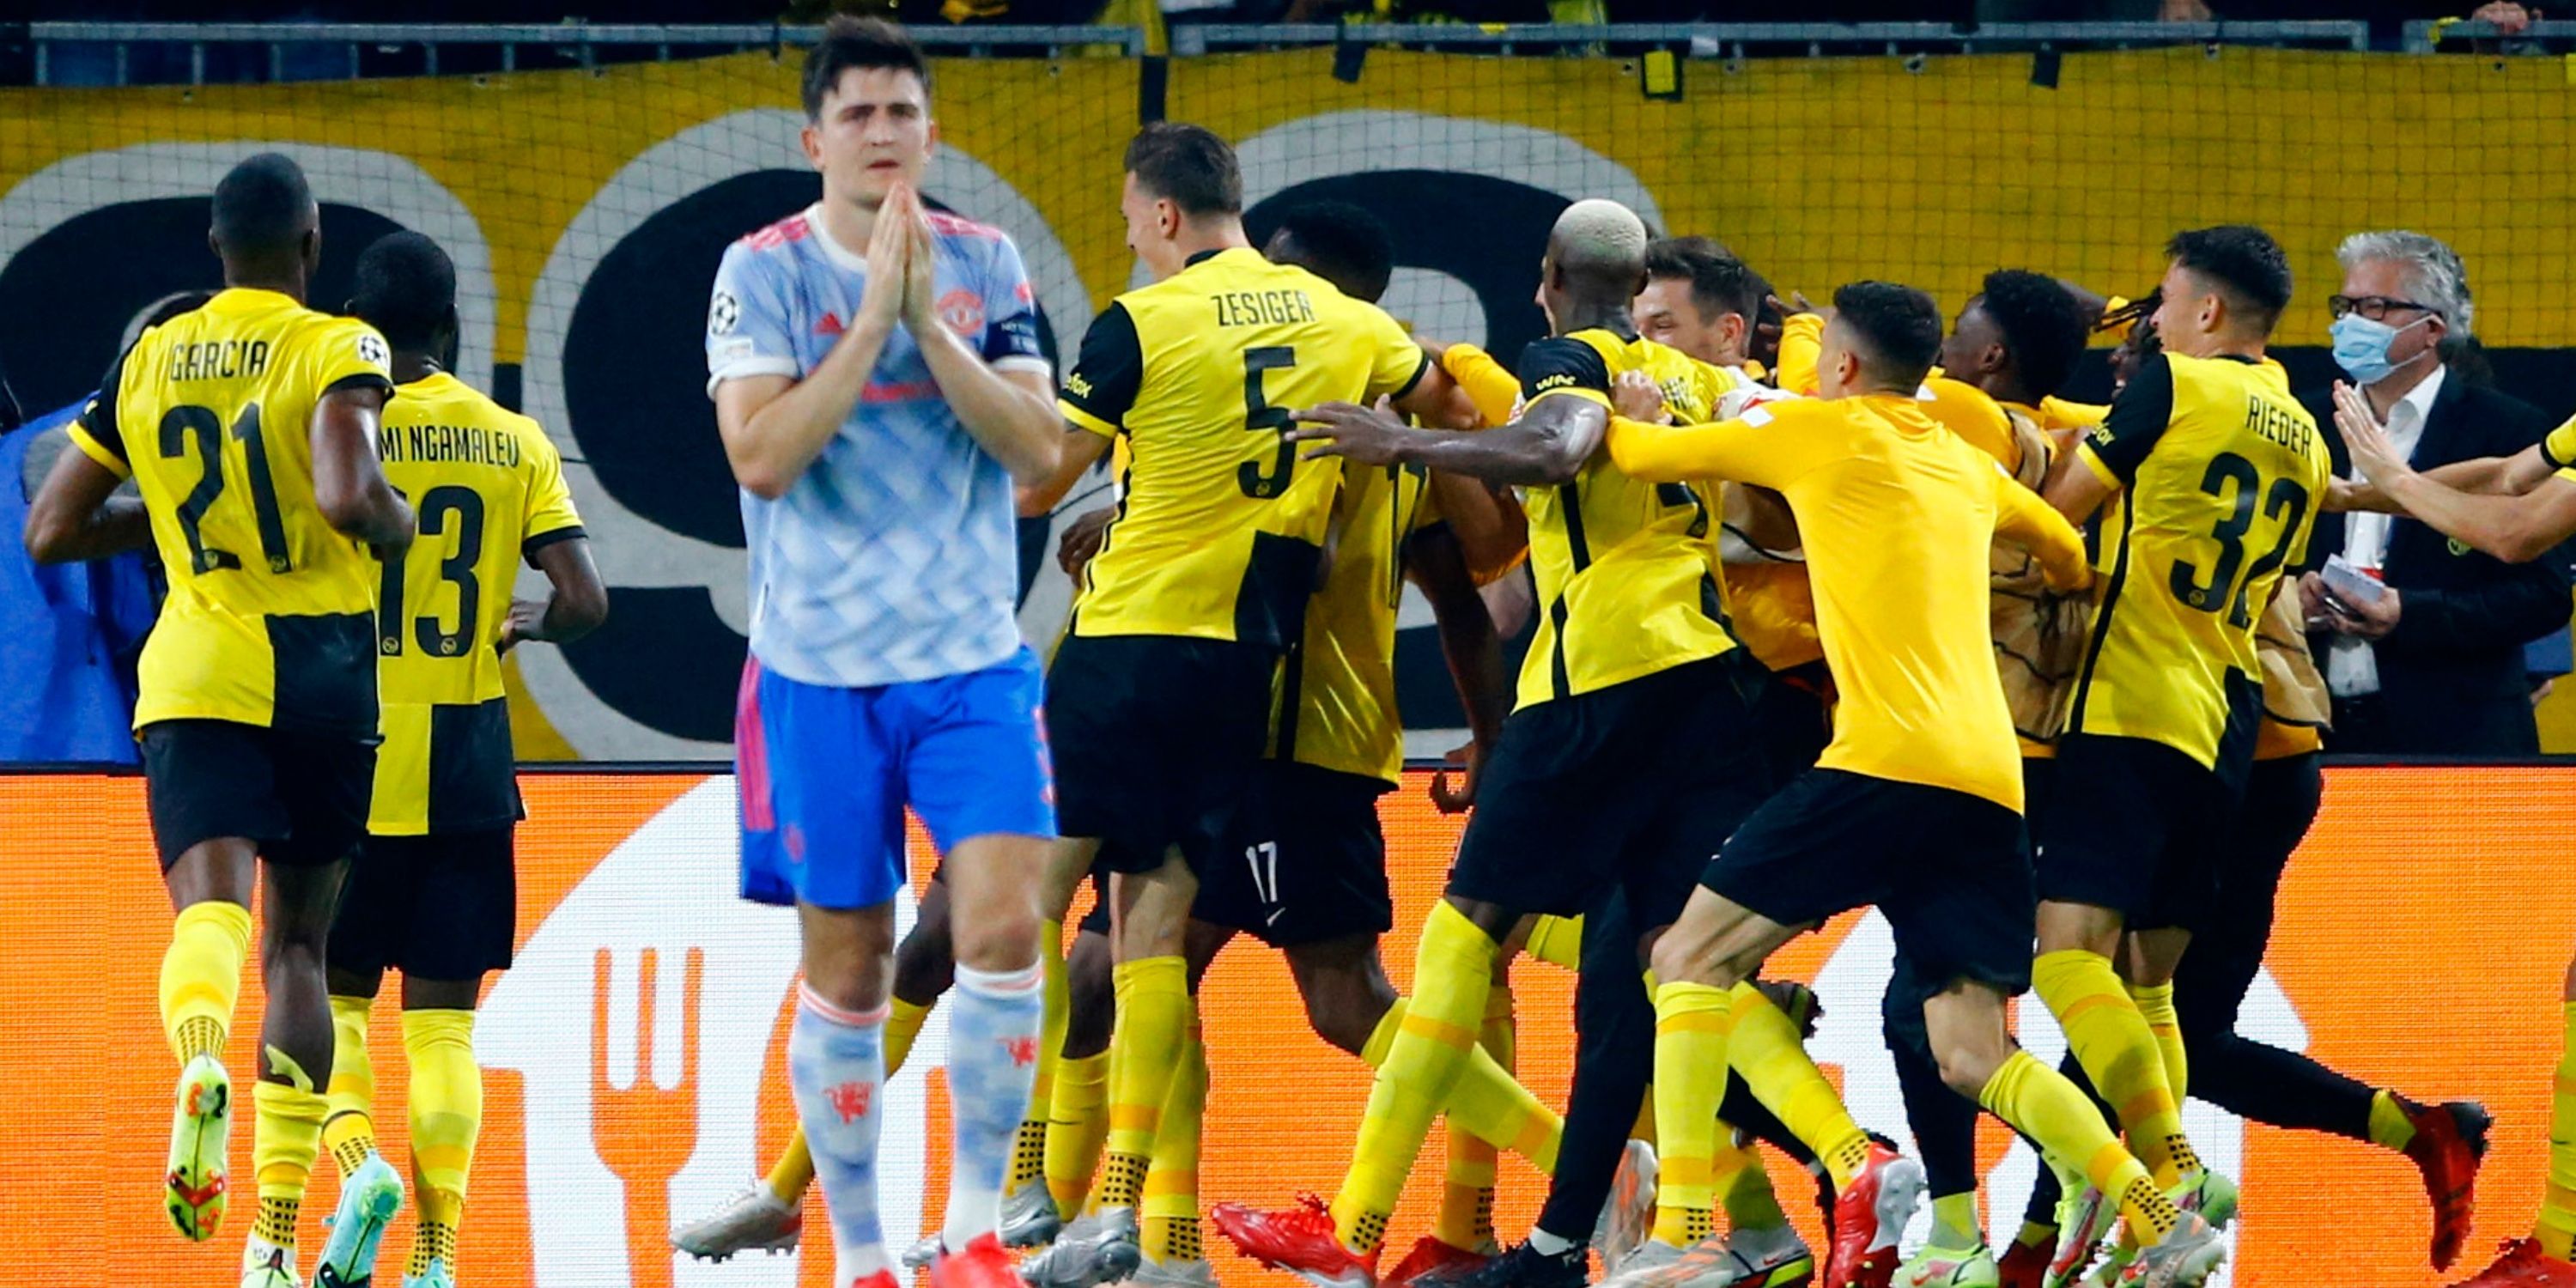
column 1626, row 570
column 489, row 490
column 1219, row 525
column 2559, row 449
column 268, row 620
column 2216, row 472
column 1343, row 687
column 1897, row 516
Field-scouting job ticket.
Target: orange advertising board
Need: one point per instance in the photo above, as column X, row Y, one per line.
column 635, row 1057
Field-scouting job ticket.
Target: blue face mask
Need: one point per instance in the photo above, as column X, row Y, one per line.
column 2361, row 346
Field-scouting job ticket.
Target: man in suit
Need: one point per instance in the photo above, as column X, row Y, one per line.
column 2435, row 665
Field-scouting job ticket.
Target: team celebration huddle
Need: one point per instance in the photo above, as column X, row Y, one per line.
column 1835, row 607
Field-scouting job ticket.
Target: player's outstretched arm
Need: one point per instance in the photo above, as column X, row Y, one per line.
column 2516, row 528
column 348, row 482
column 1546, row 446
column 75, row 516
column 2021, row 516
column 577, row 607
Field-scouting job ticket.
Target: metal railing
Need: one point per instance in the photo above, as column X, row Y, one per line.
column 106, row 51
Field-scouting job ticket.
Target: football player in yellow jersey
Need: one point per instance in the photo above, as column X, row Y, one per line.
column 1310, row 878
column 2207, row 473
column 1916, row 804
column 2516, row 508
column 1632, row 658
column 1161, row 697
column 249, row 426
column 437, row 896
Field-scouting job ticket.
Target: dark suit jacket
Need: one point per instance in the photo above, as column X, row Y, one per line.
column 2451, row 676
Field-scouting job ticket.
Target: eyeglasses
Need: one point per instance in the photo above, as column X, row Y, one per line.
column 2373, row 307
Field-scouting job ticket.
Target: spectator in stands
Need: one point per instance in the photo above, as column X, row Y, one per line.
column 2436, row 665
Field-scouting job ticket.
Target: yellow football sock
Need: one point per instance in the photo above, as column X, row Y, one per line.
column 903, row 1025
column 1765, row 1047
column 1743, row 1185
column 1954, row 1222
column 2040, row 1103
column 2556, row 1229
column 1153, row 1015
column 1486, row 1102
column 794, row 1170
column 1557, row 941
column 284, row 1143
column 446, row 1116
column 1453, row 973
column 2110, row 1038
column 1466, row 1216
column 1077, row 1121
column 2390, row 1128
column 349, row 1132
column 1171, row 1209
column 2156, row 1007
column 1691, row 1033
column 1028, row 1149
column 201, row 976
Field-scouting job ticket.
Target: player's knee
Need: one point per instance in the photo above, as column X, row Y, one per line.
column 924, row 965
column 1967, row 1062
column 1344, row 1005
column 997, row 939
column 1683, row 959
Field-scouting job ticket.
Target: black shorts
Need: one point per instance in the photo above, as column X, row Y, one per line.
column 1318, row 874
column 1794, row 719
column 1635, row 785
column 443, row 906
column 2136, row 827
column 301, row 796
column 1156, row 739
column 1949, row 870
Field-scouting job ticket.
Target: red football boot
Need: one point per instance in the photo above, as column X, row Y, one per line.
column 1869, row 1215
column 984, row 1264
column 1299, row 1240
column 1434, row 1262
column 2523, row 1265
column 2450, row 1141
column 2023, row 1264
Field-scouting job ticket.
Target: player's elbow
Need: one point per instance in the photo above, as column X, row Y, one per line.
column 2521, row 543
column 48, row 536
column 761, row 478
column 1036, row 454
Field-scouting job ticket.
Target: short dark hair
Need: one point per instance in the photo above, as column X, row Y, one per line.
column 2043, row 324
column 2244, row 263
column 1343, row 244
column 1720, row 283
column 1189, row 166
column 862, row 43
column 1899, row 325
column 406, row 289
column 262, row 206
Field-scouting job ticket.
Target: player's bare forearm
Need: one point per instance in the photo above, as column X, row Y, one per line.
column 2075, row 491
column 76, row 515
column 1546, row 446
column 773, row 427
column 579, row 604
column 349, row 484
column 1468, row 641
column 1077, row 448
column 1010, row 414
column 2516, row 529
column 1489, row 526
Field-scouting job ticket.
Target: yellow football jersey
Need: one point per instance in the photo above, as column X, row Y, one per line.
column 1626, row 570
column 489, row 489
column 1219, row 525
column 1897, row 516
column 1345, row 717
column 2216, row 471
column 268, row 619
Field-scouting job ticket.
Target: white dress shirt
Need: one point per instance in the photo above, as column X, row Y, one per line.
column 2352, row 670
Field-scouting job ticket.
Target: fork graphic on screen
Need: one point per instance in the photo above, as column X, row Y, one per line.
column 645, row 1131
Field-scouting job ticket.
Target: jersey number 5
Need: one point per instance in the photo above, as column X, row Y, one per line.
column 2231, row 474
column 1258, row 416
column 443, row 507
column 185, row 423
